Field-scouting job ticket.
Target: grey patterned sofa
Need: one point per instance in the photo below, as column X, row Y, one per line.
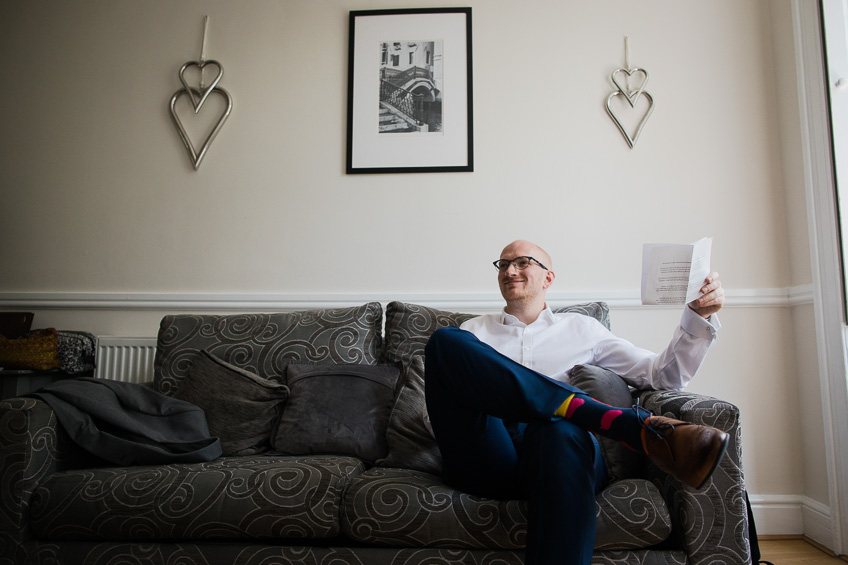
column 286, row 499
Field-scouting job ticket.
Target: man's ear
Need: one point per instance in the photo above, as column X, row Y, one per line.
column 549, row 279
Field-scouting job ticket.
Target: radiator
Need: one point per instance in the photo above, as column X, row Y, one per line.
column 128, row 359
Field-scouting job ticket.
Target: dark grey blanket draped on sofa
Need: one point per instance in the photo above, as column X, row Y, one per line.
column 130, row 424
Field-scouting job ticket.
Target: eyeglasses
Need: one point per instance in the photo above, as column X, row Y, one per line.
column 520, row 263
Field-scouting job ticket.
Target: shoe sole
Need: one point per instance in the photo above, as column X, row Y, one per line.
column 725, row 442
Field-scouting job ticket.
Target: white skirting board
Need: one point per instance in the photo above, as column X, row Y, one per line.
column 787, row 515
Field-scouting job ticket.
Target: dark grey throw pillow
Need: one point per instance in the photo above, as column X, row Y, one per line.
column 337, row 409
column 410, row 439
column 241, row 407
column 609, row 388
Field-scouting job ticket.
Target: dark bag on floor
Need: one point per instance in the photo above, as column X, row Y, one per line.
column 752, row 535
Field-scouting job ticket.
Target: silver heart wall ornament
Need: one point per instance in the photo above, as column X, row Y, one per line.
column 199, row 95
column 631, row 95
column 195, row 156
column 631, row 139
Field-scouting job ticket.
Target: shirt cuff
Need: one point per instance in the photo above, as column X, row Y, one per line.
column 694, row 324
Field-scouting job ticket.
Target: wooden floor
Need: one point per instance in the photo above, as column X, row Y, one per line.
column 795, row 552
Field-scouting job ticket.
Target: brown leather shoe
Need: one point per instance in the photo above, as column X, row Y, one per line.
column 684, row 450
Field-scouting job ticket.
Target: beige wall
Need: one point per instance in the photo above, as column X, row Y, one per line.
column 90, row 152
column 99, row 198
column 808, row 390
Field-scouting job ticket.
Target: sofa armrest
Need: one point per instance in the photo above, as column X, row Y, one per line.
column 32, row 445
column 710, row 523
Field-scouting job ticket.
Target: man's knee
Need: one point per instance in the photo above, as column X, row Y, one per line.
column 443, row 338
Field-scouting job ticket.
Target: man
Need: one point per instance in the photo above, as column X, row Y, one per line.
column 510, row 426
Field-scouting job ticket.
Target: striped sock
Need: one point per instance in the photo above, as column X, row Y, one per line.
column 620, row 424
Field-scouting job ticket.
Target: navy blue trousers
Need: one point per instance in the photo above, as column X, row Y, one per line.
column 493, row 420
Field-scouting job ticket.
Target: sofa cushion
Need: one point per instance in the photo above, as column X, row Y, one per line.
column 409, row 326
column 233, row 497
column 597, row 310
column 407, row 508
column 240, row 406
column 631, row 514
column 265, row 343
column 411, row 444
column 337, row 409
column 604, row 385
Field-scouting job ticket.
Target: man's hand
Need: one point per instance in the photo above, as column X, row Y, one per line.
column 711, row 299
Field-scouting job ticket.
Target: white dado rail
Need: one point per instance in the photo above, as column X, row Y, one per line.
column 461, row 302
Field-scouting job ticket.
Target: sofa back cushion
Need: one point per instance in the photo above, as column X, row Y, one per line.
column 597, row 310
column 409, row 326
column 265, row 343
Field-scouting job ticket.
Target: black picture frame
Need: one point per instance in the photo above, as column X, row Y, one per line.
column 410, row 91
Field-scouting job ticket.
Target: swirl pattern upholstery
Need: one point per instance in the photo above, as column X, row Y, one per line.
column 280, row 497
column 273, row 554
column 710, row 523
column 32, row 446
column 60, row 505
column 409, row 326
column 198, row 554
column 401, row 507
column 265, row 343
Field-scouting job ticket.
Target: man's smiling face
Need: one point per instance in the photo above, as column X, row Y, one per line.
column 530, row 284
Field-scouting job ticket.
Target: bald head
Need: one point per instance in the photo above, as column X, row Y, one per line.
column 521, row 247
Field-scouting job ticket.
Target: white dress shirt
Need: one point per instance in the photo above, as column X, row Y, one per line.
column 555, row 343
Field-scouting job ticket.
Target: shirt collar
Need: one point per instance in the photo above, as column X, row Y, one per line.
column 546, row 318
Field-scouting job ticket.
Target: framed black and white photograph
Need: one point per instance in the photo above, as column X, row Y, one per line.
column 409, row 91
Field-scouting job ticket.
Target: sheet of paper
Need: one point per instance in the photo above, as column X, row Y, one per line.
column 674, row 273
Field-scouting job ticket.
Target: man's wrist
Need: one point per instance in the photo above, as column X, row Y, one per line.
column 697, row 325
